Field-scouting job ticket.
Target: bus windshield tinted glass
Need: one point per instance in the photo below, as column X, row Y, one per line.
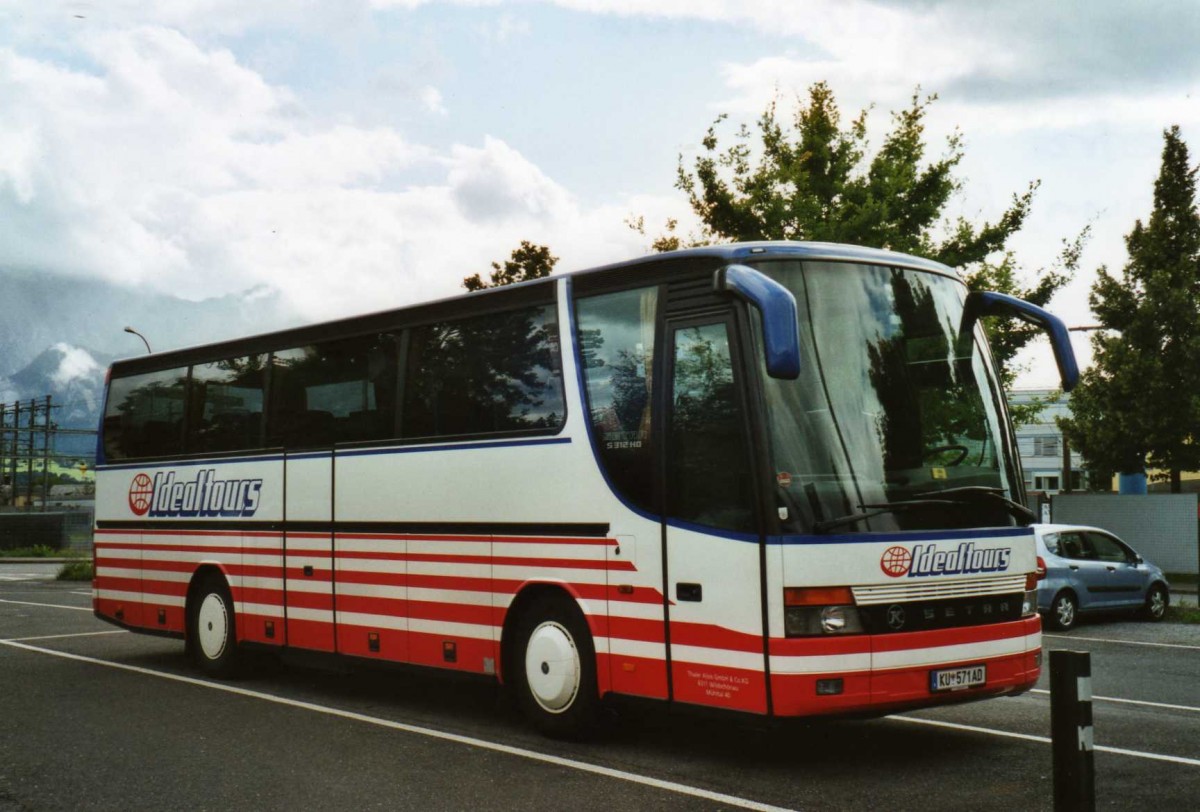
column 891, row 406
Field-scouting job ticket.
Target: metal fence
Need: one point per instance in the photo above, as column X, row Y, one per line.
column 1162, row 527
column 67, row 528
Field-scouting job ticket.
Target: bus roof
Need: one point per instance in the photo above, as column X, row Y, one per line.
column 783, row 249
column 368, row 322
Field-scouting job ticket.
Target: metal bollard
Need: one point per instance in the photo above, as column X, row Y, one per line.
column 1071, row 731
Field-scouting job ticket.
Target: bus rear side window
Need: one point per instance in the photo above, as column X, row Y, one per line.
column 144, row 416
column 484, row 375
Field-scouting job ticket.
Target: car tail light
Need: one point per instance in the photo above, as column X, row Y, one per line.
column 1032, row 578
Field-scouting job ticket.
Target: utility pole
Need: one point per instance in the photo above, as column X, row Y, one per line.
column 27, row 441
column 1066, row 464
column 46, row 456
column 16, row 453
column 3, row 447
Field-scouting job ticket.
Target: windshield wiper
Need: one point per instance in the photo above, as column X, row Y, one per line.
column 981, row 493
column 825, row 525
column 951, row 497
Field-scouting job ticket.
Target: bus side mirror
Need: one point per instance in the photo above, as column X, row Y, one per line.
column 780, row 319
column 987, row 303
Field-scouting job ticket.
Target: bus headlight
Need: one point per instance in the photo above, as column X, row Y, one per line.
column 819, row 611
column 1029, row 603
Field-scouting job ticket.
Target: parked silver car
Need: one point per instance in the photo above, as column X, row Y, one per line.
column 1091, row 570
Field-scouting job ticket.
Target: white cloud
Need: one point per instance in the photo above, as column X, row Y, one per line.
column 76, row 364
column 172, row 167
column 497, row 182
column 227, row 17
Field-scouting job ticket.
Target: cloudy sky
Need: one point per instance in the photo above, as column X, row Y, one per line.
column 356, row 155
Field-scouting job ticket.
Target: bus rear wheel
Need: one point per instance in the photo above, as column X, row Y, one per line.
column 554, row 669
column 211, row 629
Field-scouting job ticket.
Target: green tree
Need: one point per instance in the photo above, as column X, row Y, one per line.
column 1139, row 404
column 528, row 261
column 811, row 179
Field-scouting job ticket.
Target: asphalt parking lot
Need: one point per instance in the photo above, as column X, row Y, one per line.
column 95, row 718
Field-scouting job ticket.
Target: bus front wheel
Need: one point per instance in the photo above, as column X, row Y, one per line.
column 555, row 669
column 212, row 638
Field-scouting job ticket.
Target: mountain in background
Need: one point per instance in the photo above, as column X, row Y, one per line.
column 39, row 311
column 59, row 334
column 74, row 380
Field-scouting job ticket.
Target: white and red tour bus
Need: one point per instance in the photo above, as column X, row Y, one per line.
column 776, row 478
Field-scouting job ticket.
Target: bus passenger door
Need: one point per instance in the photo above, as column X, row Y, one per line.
column 308, row 550
column 714, row 572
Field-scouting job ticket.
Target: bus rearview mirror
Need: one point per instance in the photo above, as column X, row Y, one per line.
column 777, row 305
column 989, row 303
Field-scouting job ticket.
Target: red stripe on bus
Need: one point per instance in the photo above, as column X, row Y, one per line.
column 819, row 646
column 452, row 612
column 902, row 641
column 707, row 635
column 176, row 589
column 309, row 600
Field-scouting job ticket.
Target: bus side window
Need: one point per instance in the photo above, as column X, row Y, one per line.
column 484, row 375
column 616, row 340
column 339, row 391
column 227, row 405
column 144, row 416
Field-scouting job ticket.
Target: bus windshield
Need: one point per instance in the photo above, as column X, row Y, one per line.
column 892, row 407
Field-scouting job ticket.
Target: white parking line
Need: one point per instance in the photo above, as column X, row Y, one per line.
column 59, row 636
column 1121, row 642
column 1131, row 702
column 1192, row 762
column 48, row 605
column 482, row 744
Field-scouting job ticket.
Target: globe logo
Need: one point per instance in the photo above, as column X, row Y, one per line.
column 895, row 561
column 141, row 491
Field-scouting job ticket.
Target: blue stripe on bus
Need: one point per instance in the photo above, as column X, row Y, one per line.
column 423, row 448
column 980, row 533
column 909, row 536
column 310, row 455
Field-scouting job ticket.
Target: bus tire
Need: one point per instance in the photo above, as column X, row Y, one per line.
column 212, row 628
column 554, row 669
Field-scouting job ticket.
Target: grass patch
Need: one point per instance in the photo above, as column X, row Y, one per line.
column 42, row 551
column 1182, row 614
column 37, row 551
column 76, row 571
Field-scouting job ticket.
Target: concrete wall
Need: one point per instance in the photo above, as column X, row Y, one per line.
column 1162, row 527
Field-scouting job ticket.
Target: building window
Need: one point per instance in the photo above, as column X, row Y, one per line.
column 1045, row 447
column 1045, row 483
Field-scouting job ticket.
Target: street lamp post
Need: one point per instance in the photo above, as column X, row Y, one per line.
column 142, row 337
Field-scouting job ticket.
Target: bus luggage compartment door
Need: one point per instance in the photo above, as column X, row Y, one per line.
column 308, row 550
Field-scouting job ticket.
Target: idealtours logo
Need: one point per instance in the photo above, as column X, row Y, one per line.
column 926, row 559
column 205, row 495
